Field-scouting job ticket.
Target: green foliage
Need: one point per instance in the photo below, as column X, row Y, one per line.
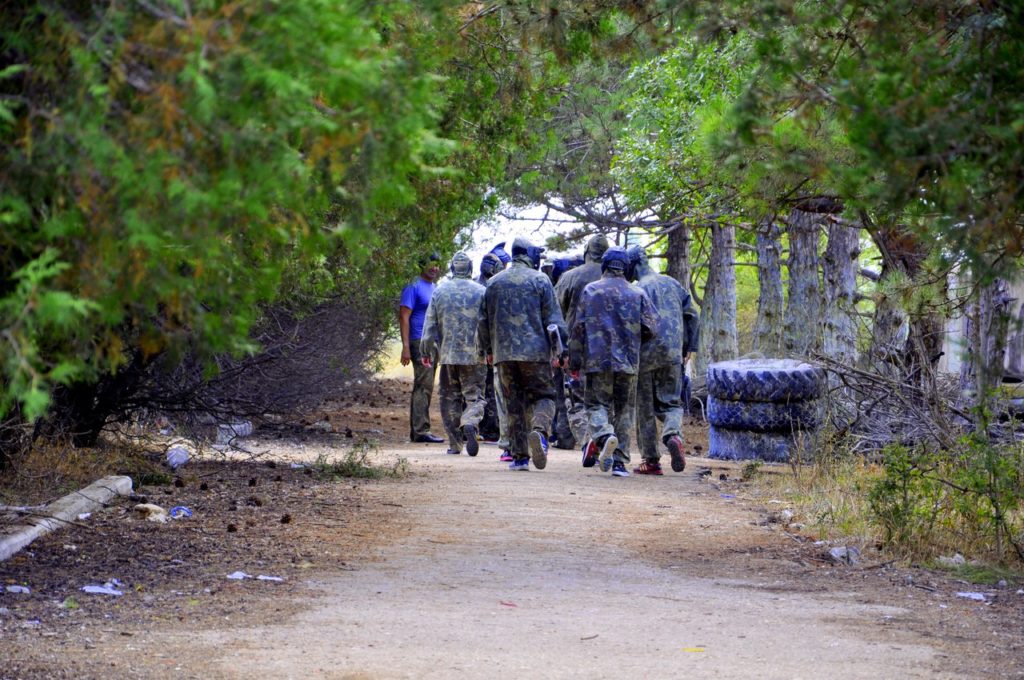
column 677, row 109
column 163, row 172
column 356, row 464
column 926, row 102
column 936, row 503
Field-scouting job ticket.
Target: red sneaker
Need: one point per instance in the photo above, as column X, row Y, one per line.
column 590, row 454
column 675, row 449
column 648, row 467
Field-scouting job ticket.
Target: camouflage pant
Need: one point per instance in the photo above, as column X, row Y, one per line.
column 611, row 404
column 422, row 390
column 562, row 432
column 529, row 392
column 489, row 423
column 502, row 408
column 462, row 403
column 579, row 419
column 657, row 398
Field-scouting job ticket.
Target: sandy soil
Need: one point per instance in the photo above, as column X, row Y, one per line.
column 464, row 569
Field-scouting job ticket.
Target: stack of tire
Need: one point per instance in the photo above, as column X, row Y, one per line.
column 761, row 409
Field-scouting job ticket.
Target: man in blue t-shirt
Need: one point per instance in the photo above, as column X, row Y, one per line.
column 412, row 311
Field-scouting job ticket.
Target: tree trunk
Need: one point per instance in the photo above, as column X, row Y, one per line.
column 986, row 325
column 839, row 269
column 905, row 255
column 803, row 314
column 677, row 255
column 718, row 313
column 768, row 327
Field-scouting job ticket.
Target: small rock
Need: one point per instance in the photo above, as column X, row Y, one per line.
column 844, row 555
column 252, row 481
column 953, row 562
column 286, row 519
column 4, row 611
column 1002, row 584
column 179, row 482
column 204, row 487
column 232, row 528
column 977, row 597
column 723, row 477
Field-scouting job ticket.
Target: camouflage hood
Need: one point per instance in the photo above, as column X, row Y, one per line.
column 595, row 248
column 461, row 266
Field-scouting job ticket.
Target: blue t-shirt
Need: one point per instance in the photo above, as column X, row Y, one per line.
column 416, row 296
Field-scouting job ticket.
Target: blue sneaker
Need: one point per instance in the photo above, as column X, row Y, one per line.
column 519, row 465
column 611, row 442
column 538, row 449
column 619, row 469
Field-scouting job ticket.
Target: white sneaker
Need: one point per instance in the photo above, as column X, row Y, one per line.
column 607, row 456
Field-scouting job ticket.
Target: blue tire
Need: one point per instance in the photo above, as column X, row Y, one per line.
column 774, row 447
column 764, row 416
column 773, row 380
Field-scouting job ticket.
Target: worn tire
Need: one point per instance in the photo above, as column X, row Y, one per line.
column 771, row 380
column 764, row 416
column 774, row 447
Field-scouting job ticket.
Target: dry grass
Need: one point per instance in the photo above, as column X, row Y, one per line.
column 829, row 498
column 50, row 470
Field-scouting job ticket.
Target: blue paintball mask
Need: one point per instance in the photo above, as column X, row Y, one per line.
column 536, row 254
column 490, row 265
column 499, row 251
column 563, row 264
column 637, row 261
column 523, row 247
column 615, row 258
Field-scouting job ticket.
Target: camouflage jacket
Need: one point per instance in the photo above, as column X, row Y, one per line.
column 570, row 288
column 612, row 320
column 452, row 320
column 677, row 333
column 518, row 307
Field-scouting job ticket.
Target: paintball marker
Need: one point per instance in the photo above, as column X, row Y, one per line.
column 555, row 344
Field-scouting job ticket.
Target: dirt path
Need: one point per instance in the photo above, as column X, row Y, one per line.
column 463, row 569
column 572, row 573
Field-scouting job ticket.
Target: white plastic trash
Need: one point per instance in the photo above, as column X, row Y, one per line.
column 177, row 456
column 229, row 431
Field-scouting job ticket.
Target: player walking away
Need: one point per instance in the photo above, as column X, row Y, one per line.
column 612, row 320
column 518, row 307
column 450, row 332
column 660, row 379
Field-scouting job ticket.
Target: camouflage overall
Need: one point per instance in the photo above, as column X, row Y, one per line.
column 612, row 319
